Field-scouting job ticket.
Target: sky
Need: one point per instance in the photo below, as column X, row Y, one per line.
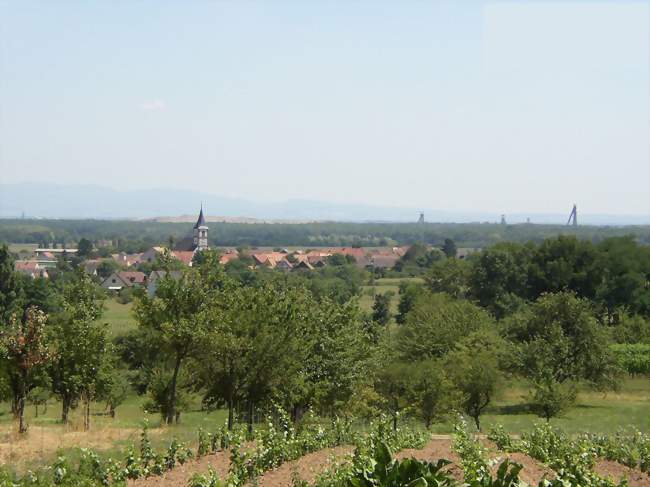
column 504, row 106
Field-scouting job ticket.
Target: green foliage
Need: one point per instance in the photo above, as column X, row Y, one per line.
column 560, row 341
column 436, row 323
column 552, row 398
column 633, row 358
column 381, row 308
column 449, row 276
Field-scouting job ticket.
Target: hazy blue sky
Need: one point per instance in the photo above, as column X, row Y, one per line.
column 503, row 106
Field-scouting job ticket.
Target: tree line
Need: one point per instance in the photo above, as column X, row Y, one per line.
column 547, row 313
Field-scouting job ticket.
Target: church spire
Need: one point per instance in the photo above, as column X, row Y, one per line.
column 201, row 220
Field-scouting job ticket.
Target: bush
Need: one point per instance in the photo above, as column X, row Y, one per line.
column 633, row 358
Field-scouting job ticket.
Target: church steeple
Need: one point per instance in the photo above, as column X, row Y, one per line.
column 201, row 220
column 200, row 232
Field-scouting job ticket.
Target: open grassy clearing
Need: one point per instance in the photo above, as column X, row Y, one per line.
column 118, row 316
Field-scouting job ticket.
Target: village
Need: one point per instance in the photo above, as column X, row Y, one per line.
column 122, row 270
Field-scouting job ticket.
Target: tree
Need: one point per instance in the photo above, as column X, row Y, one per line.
column 381, row 308
column 476, row 375
column 499, row 277
column 560, row 342
column 408, row 292
column 26, row 353
column 393, row 382
column 255, row 344
column 10, row 289
column 81, row 345
column 449, row 248
column 449, row 276
column 551, row 398
column 173, row 321
column 432, row 394
column 627, row 270
column 84, row 248
column 436, row 323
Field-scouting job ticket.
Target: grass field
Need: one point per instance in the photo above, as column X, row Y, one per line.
column 118, row 316
column 382, row 286
column 595, row 412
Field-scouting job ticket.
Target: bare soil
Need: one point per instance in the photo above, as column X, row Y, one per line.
column 433, row 451
column 617, row 471
column 307, row 467
column 181, row 474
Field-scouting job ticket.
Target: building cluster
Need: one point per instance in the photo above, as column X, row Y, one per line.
column 131, row 266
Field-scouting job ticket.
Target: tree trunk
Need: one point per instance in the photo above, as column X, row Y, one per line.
column 111, row 411
column 231, row 413
column 171, row 409
column 65, row 409
column 477, row 422
column 250, row 417
column 22, row 426
column 36, row 410
column 86, row 412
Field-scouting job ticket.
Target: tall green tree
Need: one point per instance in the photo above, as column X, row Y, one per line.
column 559, row 343
column 10, row 289
column 381, row 308
column 80, row 343
column 25, row 354
column 436, row 323
column 449, row 276
column 173, row 321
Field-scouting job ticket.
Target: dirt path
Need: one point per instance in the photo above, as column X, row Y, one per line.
column 617, row 471
column 307, row 467
column 181, row 474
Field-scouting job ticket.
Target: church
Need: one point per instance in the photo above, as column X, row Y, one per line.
column 198, row 240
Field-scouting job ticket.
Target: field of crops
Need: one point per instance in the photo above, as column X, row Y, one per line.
column 322, row 453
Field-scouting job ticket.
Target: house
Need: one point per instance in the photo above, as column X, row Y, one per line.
column 185, row 256
column 152, row 254
column 228, row 256
column 303, row 264
column 269, row 259
column 121, row 279
column 383, row 260
column 31, row 268
column 283, row 265
column 155, row 276
column 90, row 266
column 127, row 260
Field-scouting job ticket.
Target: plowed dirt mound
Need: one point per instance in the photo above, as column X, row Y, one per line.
column 306, row 467
column 617, row 471
column 180, row 475
column 432, row 452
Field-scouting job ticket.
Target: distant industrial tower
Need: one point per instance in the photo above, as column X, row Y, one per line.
column 503, row 219
column 573, row 217
column 421, row 219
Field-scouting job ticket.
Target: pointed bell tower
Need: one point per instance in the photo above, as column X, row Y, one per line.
column 200, row 232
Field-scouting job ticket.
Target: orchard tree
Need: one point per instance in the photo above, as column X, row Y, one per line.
column 560, row 342
column 10, row 289
column 476, row 375
column 172, row 320
column 436, row 323
column 449, row 276
column 432, row 394
column 381, row 308
column 80, row 343
column 26, row 353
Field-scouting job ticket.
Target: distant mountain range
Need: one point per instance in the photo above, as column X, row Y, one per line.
column 42, row 200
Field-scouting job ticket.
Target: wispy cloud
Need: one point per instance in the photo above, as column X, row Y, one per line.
column 153, row 105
